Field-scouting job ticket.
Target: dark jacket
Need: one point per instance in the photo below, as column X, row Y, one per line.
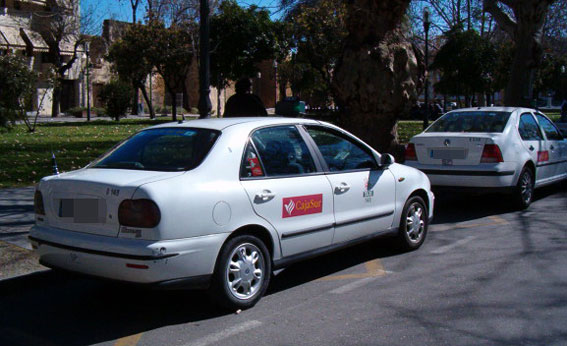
column 244, row 105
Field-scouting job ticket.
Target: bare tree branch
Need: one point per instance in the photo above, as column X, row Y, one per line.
column 505, row 22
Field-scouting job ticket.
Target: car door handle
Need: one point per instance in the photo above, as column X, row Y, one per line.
column 264, row 196
column 531, row 148
column 344, row 187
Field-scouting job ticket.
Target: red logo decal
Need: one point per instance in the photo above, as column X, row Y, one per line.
column 542, row 156
column 302, row 205
column 255, row 167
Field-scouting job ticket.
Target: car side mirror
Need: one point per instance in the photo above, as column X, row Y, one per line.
column 386, row 160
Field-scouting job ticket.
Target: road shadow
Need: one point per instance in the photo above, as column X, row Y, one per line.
column 58, row 308
column 54, row 308
column 333, row 263
column 456, row 206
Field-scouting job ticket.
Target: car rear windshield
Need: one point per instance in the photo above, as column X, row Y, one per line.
column 166, row 149
column 471, row 122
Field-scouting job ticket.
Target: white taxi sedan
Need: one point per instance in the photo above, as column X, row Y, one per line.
column 221, row 203
column 515, row 149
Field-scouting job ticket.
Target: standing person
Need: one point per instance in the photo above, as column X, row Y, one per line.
column 244, row 103
column 563, row 112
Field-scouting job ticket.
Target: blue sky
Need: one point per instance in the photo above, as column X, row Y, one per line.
column 121, row 10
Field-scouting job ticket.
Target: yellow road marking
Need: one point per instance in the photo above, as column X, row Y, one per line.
column 374, row 268
column 131, row 340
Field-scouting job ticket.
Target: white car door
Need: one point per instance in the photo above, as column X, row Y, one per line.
column 533, row 142
column 288, row 189
column 364, row 195
column 556, row 146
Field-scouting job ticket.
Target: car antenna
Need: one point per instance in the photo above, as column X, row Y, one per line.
column 54, row 163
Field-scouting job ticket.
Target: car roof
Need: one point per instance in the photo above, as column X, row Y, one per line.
column 222, row 123
column 494, row 109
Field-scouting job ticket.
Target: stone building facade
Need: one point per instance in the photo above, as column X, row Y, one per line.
column 23, row 29
column 263, row 84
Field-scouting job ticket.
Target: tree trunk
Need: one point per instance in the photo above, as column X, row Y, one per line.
column 283, row 90
column 135, row 99
column 519, row 91
column 173, row 106
column 378, row 74
column 218, row 102
column 56, row 102
column 526, row 29
column 148, row 102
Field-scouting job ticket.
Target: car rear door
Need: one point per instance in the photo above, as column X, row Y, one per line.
column 556, row 146
column 364, row 195
column 287, row 188
column 532, row 141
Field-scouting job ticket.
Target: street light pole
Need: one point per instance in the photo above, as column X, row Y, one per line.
column 205, row 105
column 88, row 82
column 426, row 24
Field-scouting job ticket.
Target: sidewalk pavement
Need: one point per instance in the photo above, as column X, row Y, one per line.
column 66, row 118
column 16, row 218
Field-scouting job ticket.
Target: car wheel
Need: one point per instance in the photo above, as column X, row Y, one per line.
column 413, row 224
column 242, row 273
column 525, row 188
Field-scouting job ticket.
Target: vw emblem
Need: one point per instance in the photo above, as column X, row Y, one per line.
column 447, row 142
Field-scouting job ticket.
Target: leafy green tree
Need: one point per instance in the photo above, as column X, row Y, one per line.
column 240, row 39
column 524, row 23
column 319, row 31
column 466, row 63
column 133, row 44
column 17, row 85
column 116, row 96
column 171, row 52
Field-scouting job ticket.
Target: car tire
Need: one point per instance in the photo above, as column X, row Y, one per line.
column 413, row 224
column 242, row 273
column 524, row 190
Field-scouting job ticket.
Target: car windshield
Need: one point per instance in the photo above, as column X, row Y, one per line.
column 480, row 121
column 166, row 149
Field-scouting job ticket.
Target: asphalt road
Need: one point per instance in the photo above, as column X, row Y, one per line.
column 486, row 275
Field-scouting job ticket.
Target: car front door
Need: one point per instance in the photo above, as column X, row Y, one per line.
column 287, row 188
column 556, row 146
column 364, row 194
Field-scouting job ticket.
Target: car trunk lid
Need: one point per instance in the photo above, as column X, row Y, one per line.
column 450, row 149
column 87, row 200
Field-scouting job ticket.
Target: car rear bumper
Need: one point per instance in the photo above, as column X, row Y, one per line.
column 494, row 176
column 129, row 260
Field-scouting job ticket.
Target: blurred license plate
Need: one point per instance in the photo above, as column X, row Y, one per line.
column 85, row 210
column 448, row 154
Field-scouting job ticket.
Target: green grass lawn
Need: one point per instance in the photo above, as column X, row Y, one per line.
column 26, row 157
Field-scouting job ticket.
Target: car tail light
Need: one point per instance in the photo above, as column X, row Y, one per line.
column 139, row 213
column 410, row 154
column 38, row 203
column 491, row 154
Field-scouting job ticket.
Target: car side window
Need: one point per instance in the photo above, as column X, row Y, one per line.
column 528, row 128
column 283, row 151
column 548, row 128
column 341, row 153
column 251, row 165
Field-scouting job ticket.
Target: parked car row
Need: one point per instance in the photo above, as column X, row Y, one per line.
column 221, row 203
